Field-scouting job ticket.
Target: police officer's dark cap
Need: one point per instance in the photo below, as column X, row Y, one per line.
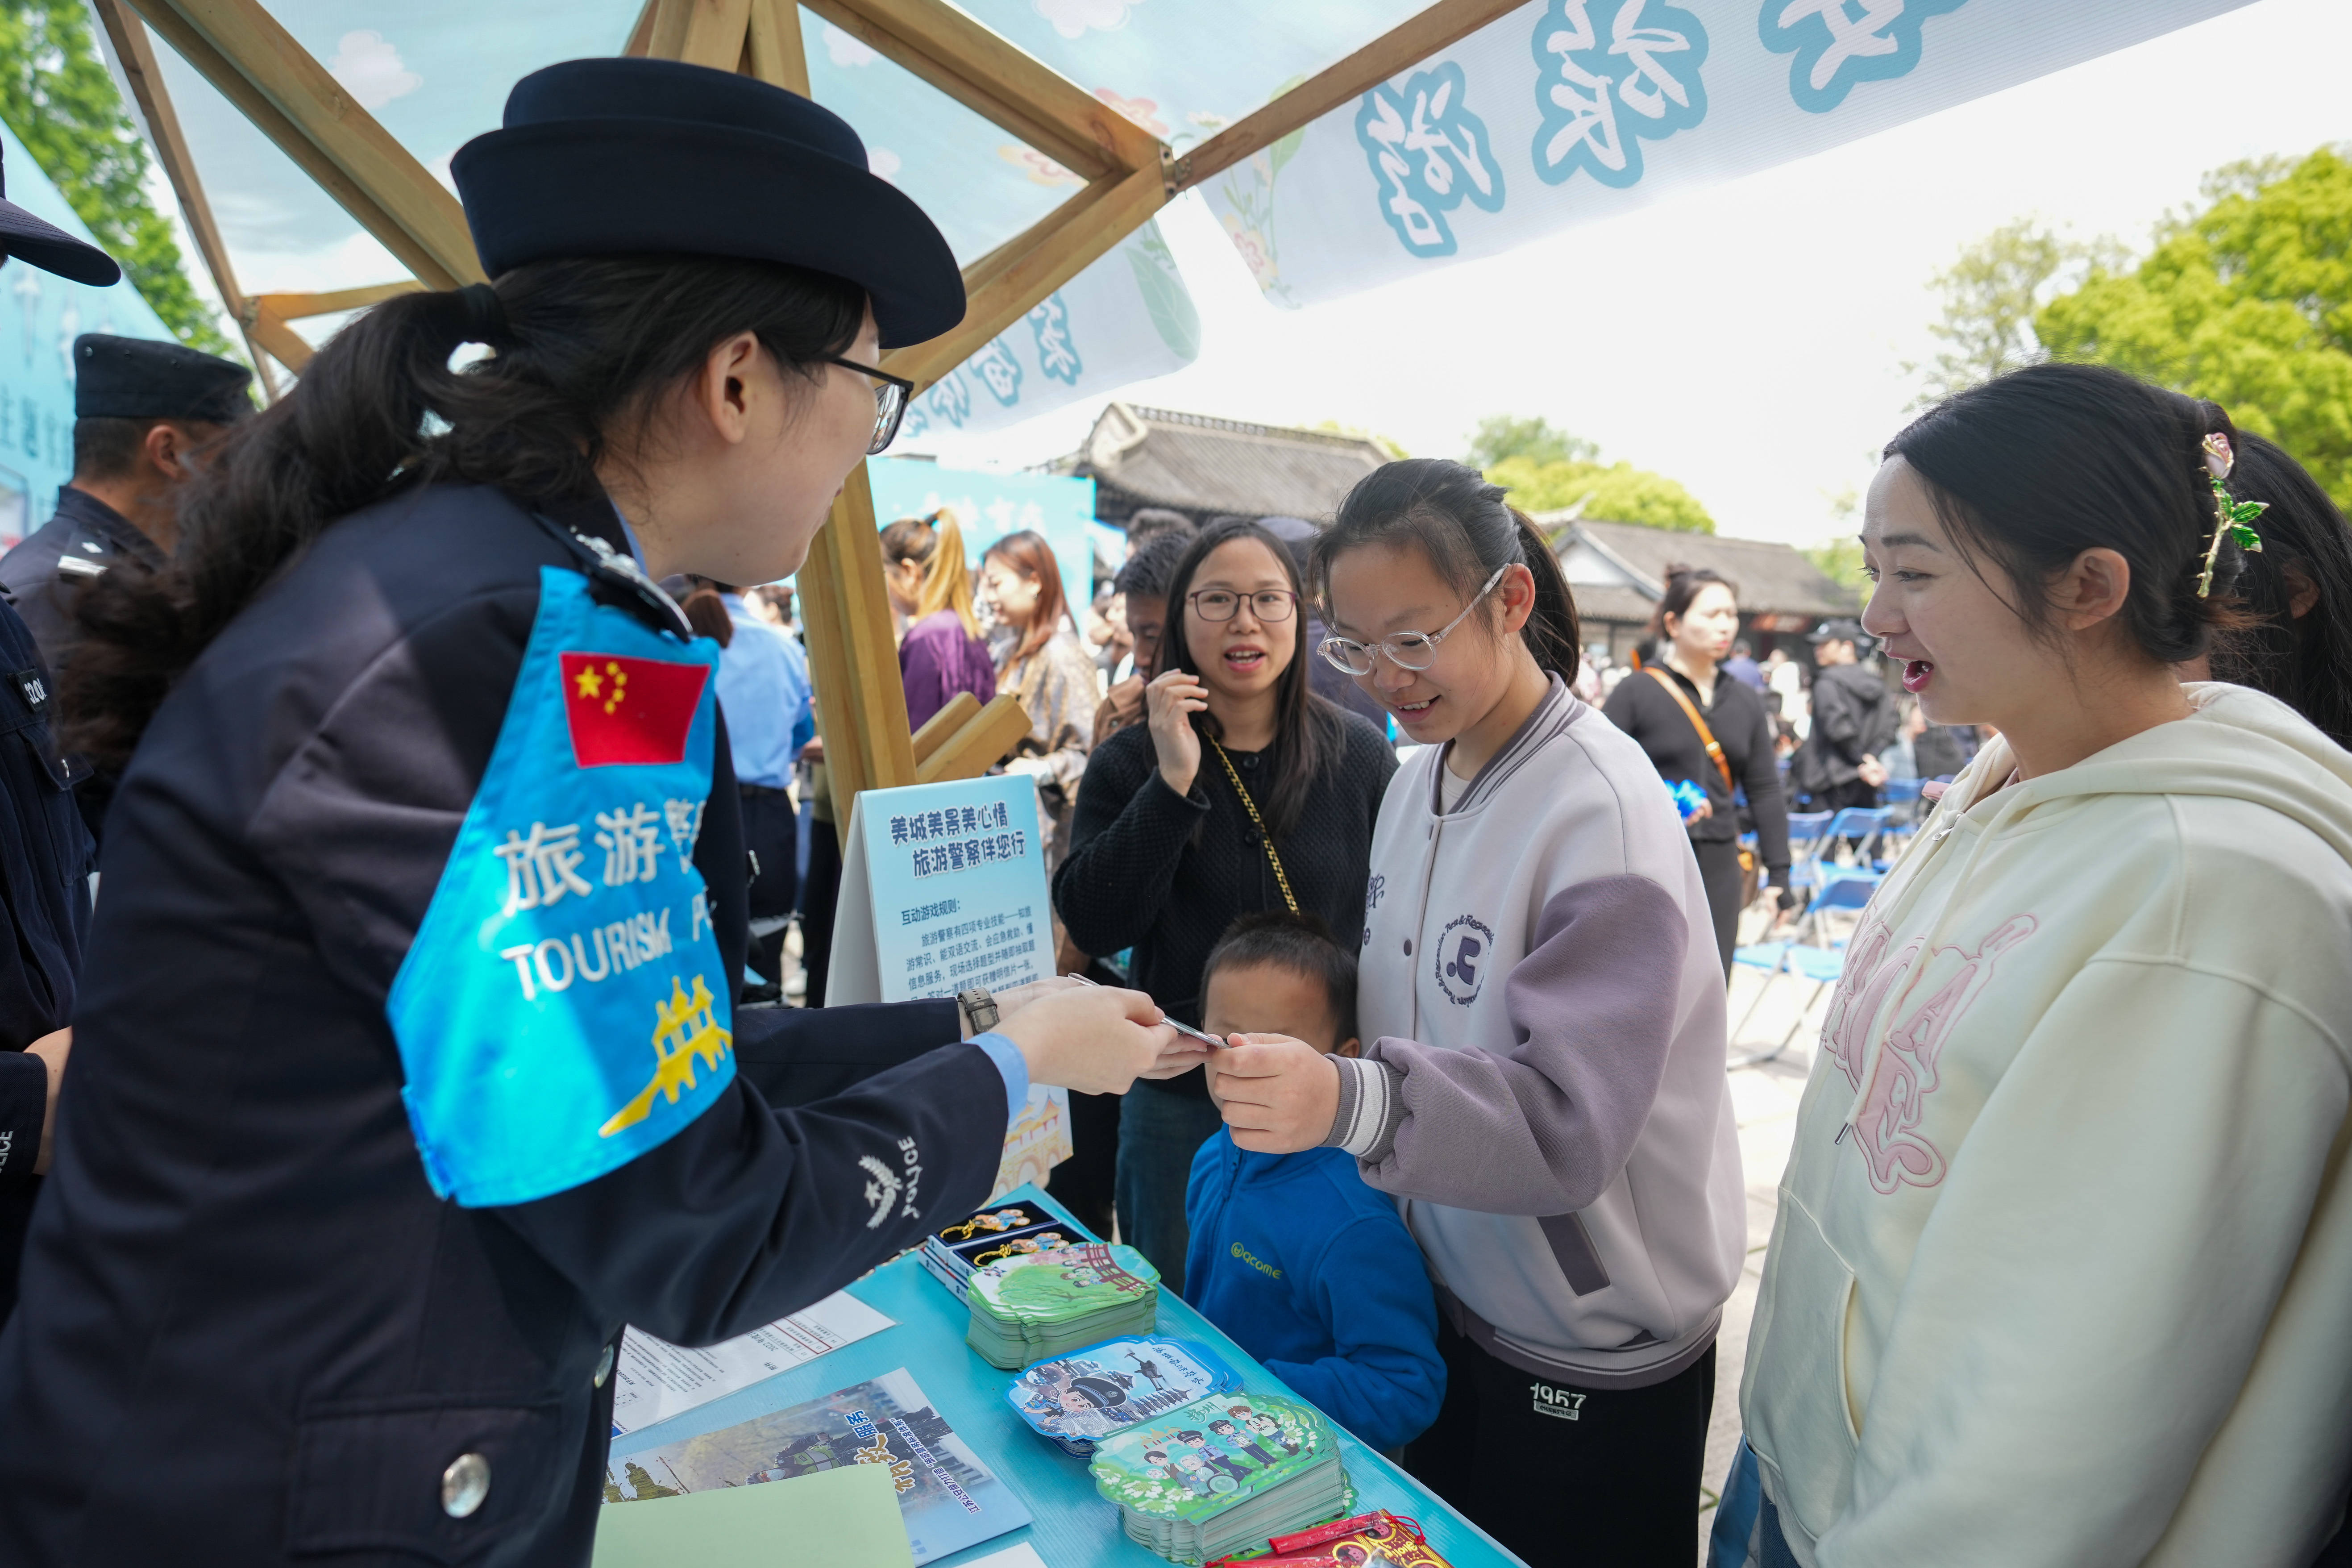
column 613, row 157
column 51, row 248
column 139, row 378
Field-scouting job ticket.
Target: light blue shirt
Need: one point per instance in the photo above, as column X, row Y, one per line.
column 763, row 686
column 1013, row 1065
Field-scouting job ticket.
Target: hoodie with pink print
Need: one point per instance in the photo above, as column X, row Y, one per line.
column 2063, row 1249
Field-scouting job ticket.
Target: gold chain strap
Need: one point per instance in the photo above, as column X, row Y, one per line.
column 1251, row 806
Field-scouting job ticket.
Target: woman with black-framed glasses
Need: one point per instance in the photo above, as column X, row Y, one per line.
column 1243, row 793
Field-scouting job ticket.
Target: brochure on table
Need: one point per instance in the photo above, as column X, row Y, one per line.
column 942, row 889
column 654, row 1380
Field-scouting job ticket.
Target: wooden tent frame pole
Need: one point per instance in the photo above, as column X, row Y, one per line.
column 1129, row 173
column 135, row 52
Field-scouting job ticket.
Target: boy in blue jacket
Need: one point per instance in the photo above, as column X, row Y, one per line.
column 1309, row 1269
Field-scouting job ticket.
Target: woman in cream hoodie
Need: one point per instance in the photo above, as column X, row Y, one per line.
column 2064, row 1246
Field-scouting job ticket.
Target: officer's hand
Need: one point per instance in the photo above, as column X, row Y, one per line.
column 1279, row 1095
column 1093, row 1038
column 1013, row 998
column 52, row 1049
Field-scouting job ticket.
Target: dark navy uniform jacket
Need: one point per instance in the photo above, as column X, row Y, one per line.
column 83, row 539
column 250, row 1333
column 46, row 859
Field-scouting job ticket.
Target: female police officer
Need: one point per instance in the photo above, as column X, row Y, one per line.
column 405, row 1070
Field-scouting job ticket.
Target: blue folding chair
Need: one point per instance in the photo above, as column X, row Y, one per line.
column 1820, row 965
column 1846, row 890
column 1862, row 825
column 1805, row 844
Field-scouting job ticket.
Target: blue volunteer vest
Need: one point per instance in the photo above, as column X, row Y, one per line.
column 565, row 1008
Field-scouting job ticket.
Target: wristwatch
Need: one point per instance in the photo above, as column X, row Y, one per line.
column 980, row 1009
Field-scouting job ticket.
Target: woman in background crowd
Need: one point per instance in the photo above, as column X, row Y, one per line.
column 1244, row 793
column 1047, row 669
column 1694, row 724
column 2062, row 1252
column 2299, row 584
column 930, row 588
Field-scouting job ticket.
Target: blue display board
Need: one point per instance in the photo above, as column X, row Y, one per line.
column 1074, row 1526
column 954, row 878
column 42, row 316
column 987, row 507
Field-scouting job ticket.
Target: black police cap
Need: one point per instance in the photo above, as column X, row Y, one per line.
column 51, row 248
column 619, row 156
column 139, row 378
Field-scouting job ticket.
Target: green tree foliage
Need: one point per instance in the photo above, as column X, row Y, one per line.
column 1991, row 296
column 1502, row 436
column 2247, row 302
column 1545, row 468
column 1613, row 492
column 57, row 98
column 1839, row 558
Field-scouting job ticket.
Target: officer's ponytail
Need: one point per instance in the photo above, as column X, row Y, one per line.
column 581, row 350
column 1465, row 530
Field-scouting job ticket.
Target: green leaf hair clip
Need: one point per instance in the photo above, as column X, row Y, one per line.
column 2231, row 515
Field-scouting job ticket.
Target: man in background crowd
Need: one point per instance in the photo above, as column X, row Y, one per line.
column 143, row 414
column 1141, row 594
column 1853, row 724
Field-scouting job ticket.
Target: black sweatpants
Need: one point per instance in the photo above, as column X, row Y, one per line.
column 1568, row 1477
column 772, row 833
column 818, row 897
column 1719, row 869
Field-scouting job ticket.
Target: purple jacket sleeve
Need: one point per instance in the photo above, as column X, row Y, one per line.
column 923, row 668
column 1545, row 1126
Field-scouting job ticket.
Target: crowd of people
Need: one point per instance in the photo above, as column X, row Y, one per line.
column 318, row 1175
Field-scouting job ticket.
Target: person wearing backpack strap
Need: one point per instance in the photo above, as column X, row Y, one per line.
column 1716, row 733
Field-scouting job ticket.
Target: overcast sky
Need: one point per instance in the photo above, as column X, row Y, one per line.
column 1747, row 340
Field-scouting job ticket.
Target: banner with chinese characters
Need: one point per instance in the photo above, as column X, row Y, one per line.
column 944, row 888
column 1126, row 317
column 1566, row 111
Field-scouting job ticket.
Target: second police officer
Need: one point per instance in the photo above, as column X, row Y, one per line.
column 406, row 1070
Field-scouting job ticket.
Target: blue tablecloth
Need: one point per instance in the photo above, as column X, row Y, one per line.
column 1074, row 1526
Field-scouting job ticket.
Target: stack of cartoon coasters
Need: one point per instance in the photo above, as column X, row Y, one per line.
column 1223, row 1474
column 989, row 1236
column 1089, row 1393
column 1039, row 1305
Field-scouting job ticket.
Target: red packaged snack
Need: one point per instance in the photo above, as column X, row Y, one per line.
column 1380, row 1525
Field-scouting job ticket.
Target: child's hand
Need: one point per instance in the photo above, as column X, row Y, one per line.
column 1279, row 1095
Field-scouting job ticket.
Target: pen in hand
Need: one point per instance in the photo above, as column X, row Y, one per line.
column 1207, row 1040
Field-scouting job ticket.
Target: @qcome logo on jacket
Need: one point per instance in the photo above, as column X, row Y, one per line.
column 1464, row 948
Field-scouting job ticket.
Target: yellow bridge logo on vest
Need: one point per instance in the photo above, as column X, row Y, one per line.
column 686, row 1030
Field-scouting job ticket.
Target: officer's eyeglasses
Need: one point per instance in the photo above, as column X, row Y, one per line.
column 1406, row 650
column 890, row 395
column 1268, row 605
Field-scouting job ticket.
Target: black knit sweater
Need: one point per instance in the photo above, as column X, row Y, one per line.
column 1135, row 876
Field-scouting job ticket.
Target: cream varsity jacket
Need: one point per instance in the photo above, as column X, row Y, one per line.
column 1545, row 1092
column 2064, row 1248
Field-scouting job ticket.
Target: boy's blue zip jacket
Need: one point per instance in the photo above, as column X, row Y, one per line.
column 1314, row 1274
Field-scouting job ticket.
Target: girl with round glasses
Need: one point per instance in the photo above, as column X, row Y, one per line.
column 1243, row 793
column 1545, row 1011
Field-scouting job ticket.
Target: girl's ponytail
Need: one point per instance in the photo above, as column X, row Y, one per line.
column 1554, row 633
column 1467, row 532
column 947, row 576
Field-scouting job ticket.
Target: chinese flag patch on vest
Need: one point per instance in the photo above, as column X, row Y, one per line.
column 624, row 709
